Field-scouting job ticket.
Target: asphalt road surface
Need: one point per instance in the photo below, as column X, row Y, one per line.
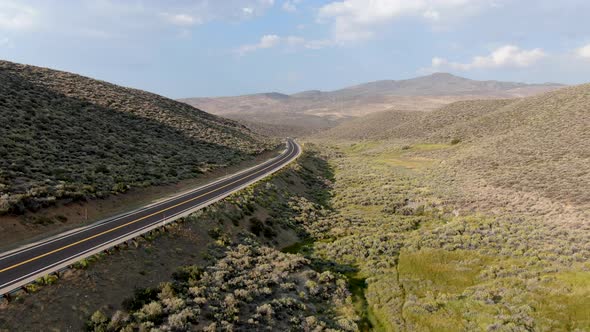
column 22, row 266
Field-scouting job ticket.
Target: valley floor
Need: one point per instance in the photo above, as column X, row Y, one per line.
column 354, row 236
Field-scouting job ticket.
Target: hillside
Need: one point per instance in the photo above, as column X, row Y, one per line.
column 379, row 125
column 69, row 136
column 318, row 109
column 536, row 145
column 408, row 125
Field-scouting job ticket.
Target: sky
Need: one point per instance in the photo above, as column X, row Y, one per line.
column 197, row 48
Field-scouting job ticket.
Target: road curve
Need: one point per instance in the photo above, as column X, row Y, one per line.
column 22, row 266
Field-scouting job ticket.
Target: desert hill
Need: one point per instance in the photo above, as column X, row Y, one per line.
column 379, row 125
column 396, row 124
column 314, row 110
column 537, row 145
column 69, row 136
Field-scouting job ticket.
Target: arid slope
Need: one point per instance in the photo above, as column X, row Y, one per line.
column 68, row 136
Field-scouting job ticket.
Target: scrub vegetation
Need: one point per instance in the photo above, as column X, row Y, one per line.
column 428, row 268
column 396, row 253
column 426, row 235
column 219, row 269
column 250, row 284
column 526, row 155
column 64, row 136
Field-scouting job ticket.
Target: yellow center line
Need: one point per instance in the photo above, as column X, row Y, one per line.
column 127, row 224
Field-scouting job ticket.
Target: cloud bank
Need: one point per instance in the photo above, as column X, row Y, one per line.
column 502, row 57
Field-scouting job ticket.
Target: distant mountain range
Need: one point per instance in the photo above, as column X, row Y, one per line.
column 313, row 110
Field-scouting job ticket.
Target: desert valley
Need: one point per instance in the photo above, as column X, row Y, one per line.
column 294, row 165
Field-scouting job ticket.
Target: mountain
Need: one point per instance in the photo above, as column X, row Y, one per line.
column 437, row 84
column 67, row 136
column 315, row 110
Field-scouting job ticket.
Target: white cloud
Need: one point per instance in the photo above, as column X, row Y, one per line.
column 294, row 41
column 288, row 42
column 266, row 41
column 249, row 8
column 181, row 19
column 131, row 18
column 183, row 14
column 16, row 16
column 583, row 52
column 290, row 5
column 431, row 14
column 359, row 19
column 505, row 56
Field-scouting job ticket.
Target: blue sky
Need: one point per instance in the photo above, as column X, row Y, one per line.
column 182, row 48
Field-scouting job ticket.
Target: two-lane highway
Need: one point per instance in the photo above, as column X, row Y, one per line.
column 24, row 265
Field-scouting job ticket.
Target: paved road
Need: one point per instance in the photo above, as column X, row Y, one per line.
column 21, row 266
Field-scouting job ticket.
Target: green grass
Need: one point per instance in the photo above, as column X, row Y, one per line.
column 558, row 301
column 564, row 299
column 401, row 158
column 445, row 271
column 301, row 247
column 368, row 320
column 437, row 278
column 360, row 147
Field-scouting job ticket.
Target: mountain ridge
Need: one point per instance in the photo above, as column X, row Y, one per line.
column 319, row 110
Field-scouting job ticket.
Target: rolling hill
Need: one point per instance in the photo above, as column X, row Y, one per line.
column 67, row 136
column 396, row 124
column 531, row 147
column 316, row 110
